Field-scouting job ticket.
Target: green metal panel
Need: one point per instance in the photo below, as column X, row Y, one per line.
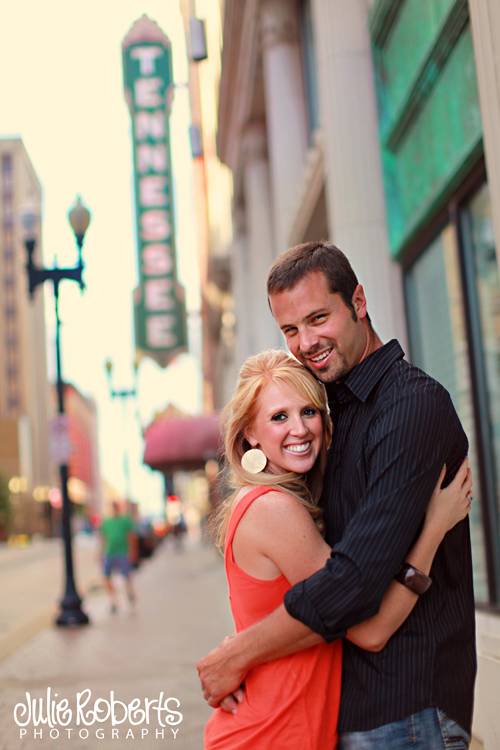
column 407, row 46
column 443, row 135
column 429, row 114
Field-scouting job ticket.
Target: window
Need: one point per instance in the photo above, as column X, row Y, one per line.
column 480, row 244
column 6, row 164
column 12, row 403
column 7, row 197
column 483, row 290
column 8, row 221
column 309, row 66
column 453, row 304
column 439, row 346
column 10, row 342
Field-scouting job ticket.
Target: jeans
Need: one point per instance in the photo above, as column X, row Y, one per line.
column 429, row 729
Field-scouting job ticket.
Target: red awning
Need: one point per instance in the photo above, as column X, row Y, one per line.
column 175, row 443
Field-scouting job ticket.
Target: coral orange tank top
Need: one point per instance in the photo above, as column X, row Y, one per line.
column 290, row 703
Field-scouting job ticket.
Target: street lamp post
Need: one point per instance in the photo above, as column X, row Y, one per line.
column 123, row 394
column 71, row 612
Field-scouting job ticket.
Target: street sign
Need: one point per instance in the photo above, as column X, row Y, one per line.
column 59, row 442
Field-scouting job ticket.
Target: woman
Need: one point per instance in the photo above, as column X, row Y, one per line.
column 277, row 433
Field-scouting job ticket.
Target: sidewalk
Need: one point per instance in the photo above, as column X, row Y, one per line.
column 181, row 613
column 32, row 583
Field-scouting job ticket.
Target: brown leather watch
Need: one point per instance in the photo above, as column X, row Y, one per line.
column 413, row 579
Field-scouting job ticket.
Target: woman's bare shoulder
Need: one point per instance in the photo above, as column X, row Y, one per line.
column 279, row 527
column 276, row 504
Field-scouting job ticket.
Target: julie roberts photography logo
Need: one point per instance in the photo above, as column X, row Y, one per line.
column 55, row 717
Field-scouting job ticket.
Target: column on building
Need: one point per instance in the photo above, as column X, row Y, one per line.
column 258, row 219
column 285, row 109
column 485, row 23
column 241, row 289
column 355, row 198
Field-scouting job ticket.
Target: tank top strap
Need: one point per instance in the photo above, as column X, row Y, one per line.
column 242, row 508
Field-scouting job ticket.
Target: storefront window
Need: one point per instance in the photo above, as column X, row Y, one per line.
column 438, row 341
column 482, row 263
column 309, row 66
column 488, row 293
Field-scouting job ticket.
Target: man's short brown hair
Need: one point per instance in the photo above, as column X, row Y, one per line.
column 292, row 265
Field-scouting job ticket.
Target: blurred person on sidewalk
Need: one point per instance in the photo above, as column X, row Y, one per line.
column 144, row 543
column 179, row 531
column 118, row 536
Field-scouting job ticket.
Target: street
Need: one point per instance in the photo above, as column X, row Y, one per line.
column 145, row 653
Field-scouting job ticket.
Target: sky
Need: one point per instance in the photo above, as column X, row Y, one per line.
column 62, row 92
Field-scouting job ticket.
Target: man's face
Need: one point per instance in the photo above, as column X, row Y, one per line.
column 320, row 329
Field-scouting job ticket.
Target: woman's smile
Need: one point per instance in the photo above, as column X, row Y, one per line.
column 287, row 428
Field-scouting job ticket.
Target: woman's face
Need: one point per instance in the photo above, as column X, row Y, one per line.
column 287, row 428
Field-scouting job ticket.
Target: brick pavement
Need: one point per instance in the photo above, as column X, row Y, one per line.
column 181, row 613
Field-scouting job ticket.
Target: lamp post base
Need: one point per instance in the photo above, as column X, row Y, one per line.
column 71, row 613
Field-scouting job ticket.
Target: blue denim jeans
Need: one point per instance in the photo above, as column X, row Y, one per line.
column 429, row 729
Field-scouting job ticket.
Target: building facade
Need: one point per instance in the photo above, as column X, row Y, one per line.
column 374, row 124
column 84, row 484
column 24, row 390
column 212, row 187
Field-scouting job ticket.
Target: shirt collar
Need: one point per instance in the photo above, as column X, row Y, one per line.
column 363, row 378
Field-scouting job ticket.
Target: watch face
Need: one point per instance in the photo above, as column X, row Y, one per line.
column 414, row 579
column 411, row 575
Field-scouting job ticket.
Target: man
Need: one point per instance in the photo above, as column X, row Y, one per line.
column 117, row 532
column 394, row 428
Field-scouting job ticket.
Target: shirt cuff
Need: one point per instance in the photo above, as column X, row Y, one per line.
column 299, row 606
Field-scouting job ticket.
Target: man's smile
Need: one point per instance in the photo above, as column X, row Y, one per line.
column 318, row 359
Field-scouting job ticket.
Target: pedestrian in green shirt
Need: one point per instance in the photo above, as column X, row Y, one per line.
column 116, row 531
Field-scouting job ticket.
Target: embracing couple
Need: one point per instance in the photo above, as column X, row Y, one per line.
column 346, row 537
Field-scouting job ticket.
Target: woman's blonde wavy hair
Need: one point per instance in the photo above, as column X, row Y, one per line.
column 272, row 366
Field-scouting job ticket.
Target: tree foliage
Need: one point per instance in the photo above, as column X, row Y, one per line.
column 5, row 506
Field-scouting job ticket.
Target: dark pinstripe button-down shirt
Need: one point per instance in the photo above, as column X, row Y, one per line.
column 394, row 428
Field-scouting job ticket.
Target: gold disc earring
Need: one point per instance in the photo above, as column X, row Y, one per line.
column 254, row 461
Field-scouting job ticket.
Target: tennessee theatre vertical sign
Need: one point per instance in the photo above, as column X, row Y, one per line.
column 159, row 309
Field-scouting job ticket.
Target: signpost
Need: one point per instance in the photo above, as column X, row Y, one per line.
column 159, row 306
